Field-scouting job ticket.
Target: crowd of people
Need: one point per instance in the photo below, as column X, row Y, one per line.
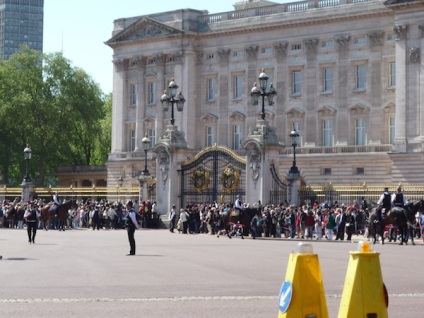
column 320, row 221
column 95, row 215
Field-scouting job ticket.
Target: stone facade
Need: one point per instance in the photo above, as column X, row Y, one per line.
column 348, row 75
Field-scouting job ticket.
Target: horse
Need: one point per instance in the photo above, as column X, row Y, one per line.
column 61, row 211
column 404, row 218
column 232, row 220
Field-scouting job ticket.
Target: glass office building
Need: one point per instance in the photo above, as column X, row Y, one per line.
column 21, row 22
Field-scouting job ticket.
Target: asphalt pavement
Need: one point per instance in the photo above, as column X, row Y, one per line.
column 85, row 273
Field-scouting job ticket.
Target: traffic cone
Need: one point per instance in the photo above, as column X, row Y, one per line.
column 302, row 293
column 364, row 293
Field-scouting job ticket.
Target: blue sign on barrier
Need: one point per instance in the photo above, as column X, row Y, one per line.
column 286, row 293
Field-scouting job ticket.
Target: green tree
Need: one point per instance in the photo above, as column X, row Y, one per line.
column 55, row 108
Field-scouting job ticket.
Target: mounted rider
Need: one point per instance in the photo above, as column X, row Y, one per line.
column 399, row 200
column 56, row 203
column 384, row 204
column 238, row 205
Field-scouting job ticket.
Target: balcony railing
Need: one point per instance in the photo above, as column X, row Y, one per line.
column 273, row 9
column 337, row 149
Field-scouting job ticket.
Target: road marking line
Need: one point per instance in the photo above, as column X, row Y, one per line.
column 167, row 299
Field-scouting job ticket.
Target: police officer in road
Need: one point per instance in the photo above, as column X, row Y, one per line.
column 384, row 202
column 32, row 215
column 399, row 199
column 132, row 225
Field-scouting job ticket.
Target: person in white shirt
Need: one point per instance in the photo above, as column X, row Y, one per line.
column 172, row 215
column 132, row 225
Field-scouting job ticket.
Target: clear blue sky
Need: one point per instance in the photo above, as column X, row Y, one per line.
column 79, row 28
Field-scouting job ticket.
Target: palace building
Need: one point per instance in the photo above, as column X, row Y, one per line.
column 348, row 76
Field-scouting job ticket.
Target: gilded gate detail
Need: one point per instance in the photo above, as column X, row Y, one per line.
column 216, row 174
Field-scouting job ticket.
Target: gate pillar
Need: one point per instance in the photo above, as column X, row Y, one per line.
column 171, row 149
column 262, row 149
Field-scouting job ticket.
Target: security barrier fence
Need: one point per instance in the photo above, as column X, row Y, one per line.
column 307, row 194
column 348, row 194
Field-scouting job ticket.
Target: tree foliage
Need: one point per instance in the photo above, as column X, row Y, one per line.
column 56, row 109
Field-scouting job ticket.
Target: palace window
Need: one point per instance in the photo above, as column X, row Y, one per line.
column 360, row 74
column 392, row 122
column 296, row 82
column 237, row 137
column 360, row 133
column 132, row 139
column 327, row 133
column 151, row 133
column 210, row 89
column 327, row 79
column 151, row 93
column 238, row 86
column 210, row 136
column 392, row 74
column 133, row 95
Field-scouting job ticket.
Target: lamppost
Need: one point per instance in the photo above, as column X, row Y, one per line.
column 262, row 91
column 27, row 156
column 146, row 147
column 294, row 135
column 172, row 99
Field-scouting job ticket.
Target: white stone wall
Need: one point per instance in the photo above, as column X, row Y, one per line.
column 164, row 46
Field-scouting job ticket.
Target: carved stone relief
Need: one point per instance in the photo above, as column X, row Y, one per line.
column 120, row 64
column 280, row 49
column 401, row 31
column 254, row 157
column 414, row 54
column 311, row 45
column 376, row 38
column 342, row 41
column 223, row 54
column 252, row 51
column 163, row 161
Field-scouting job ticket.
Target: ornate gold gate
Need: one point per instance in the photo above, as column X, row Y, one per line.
column 214, row 174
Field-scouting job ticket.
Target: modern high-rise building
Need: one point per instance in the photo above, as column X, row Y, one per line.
column 21, row 22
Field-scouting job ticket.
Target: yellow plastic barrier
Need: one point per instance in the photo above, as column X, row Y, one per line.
column 302, row 293
column 364, row 293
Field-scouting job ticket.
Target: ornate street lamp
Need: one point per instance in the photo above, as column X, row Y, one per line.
column 262, row 91
column 146, row 147
column 294, row 135
column 171, row 98
column 27, row 157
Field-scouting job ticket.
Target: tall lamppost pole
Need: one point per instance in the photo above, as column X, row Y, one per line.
column 263, row 92
column 146, row 147
column 27, row 157
column 294, row 135
column 171, row 98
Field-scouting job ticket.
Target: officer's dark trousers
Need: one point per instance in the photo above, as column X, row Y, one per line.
column 32, row 230
column 131, row 231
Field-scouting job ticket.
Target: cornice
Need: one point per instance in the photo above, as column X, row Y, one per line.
column 404, row 4
column 281, row 23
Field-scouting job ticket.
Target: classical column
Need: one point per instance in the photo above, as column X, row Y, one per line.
column 119, row 102
column 223, row 96
column 341, row 87
column 309, row 93
column 401, row 88
column 140, row 111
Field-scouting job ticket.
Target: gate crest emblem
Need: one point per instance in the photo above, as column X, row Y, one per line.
column 201, row 179
column 230, row 179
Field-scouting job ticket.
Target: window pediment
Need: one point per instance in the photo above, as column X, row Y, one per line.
column 237, row 117
column 209, row 119
column 326, row 111
column 359, row 109
column 389, row 108
column 295, row 112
